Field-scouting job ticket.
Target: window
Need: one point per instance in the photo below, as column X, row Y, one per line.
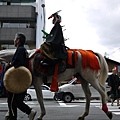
column 16, row 25
column 44, row 88
column 5, row 25
column 7, row 46
column 13, row 25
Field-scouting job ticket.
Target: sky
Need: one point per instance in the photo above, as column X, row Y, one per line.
column 89, row 24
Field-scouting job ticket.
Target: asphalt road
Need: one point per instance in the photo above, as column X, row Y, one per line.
column 57, row 110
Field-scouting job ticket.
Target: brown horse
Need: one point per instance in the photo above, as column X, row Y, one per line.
column 86, row 74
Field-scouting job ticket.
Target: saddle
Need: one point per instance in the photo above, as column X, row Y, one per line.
column 52, row 69
column 49, row 69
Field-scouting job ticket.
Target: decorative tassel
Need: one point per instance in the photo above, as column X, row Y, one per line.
column 54, row 84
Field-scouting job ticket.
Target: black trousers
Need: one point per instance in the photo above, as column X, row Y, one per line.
column 17, row 101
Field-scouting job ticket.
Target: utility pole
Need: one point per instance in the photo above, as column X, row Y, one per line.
column 107, row 55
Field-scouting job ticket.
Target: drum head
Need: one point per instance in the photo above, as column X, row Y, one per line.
column 17, row 80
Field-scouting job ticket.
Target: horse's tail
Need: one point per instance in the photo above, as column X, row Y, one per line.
column 103, row 72
column 104, row 69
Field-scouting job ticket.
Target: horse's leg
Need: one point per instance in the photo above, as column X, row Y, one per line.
column 37, row 82
column 104, row 89
column 85, row 87
column 101, row 90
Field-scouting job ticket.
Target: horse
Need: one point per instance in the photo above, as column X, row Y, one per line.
column 86, row 75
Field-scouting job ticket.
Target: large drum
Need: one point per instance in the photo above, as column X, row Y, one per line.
column 17, row 80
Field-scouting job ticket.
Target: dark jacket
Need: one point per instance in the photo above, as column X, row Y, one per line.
column 56, row 39
column 114, row 82
column 20, row 57
column 15, row 101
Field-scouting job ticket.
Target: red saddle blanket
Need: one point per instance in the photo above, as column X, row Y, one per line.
column 88, row 58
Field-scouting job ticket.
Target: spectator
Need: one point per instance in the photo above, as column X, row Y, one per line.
column 114, row 83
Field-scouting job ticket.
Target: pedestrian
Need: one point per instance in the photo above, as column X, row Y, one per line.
column 114, row 83
column 20, row 58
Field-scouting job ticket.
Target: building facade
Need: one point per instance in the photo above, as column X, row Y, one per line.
column 112, row 64
column 17, row 16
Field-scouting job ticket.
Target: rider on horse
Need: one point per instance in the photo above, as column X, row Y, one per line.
column 54, row 48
